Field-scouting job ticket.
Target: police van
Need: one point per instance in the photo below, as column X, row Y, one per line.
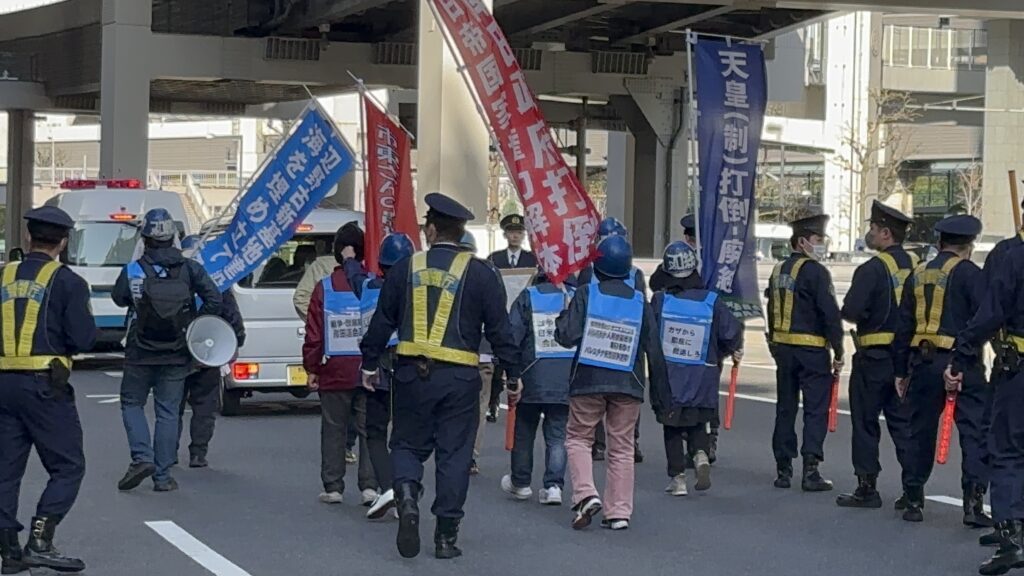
column 271, row 360
column 107, row 214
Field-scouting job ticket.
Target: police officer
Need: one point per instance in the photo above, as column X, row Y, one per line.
column 1001, row 310
column 943, row 295
column 873, row 304
column 803, row 322
column 440, row 301
column 46, row 319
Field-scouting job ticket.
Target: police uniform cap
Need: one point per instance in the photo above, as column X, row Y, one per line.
column 50, row 215
column 689, row 225
column 959, row 229
column 513, row 222
column 887, row 216
column 810, row 225
column 445, row 206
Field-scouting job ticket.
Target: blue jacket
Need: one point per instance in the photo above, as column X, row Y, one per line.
column 545, row 380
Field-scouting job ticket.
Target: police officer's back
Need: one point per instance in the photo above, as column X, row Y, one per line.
column 46, row 319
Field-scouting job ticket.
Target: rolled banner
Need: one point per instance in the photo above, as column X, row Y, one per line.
column 946, row 431
column 730, row 401
column 833, row 406
column 510, row 427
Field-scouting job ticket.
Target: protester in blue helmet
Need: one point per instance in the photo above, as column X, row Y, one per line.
column 614, row 257
column 468, row 242
column 394, row 247
column 158, row 224
column 679, row 260
column 610, row 227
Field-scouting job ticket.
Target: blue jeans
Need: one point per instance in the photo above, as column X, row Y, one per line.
column 527, row 417
column 168, row 386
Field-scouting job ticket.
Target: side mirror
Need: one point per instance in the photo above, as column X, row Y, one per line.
column 16, row 255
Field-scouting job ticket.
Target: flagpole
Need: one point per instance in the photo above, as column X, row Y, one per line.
column 694, row 147
column 383, row 108
column 365, row 142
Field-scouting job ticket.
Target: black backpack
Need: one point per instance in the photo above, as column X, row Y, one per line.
column 166, row 308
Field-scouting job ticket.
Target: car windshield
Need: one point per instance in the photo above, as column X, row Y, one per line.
column 102, row 244
column 286, row 267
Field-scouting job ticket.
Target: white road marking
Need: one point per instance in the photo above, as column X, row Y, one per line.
column 115, row 374
column 102, row 395
column 952, row 501
column 110, row 401
column 772, row 401
column 196, row 550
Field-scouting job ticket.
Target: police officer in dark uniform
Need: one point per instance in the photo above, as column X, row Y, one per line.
column 873, row 304
column 441, row 301
column 941, row 297
column 1001, row 311
column 46, row 319
column 803, row 322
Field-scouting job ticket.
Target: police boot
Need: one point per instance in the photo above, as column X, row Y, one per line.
column 40, row 551
column 914, row 507
column 784, row 474
column 1010, row 554
column 992, row 539
column 865, row 496
column 812, row 481
column 974, row 507
column 408, row 519
column 446, row 534
column 10, row 552
column 713, row 448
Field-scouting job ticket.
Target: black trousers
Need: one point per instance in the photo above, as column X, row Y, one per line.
column 807, row 372
column 202, row 394
column 873, row 393
column 599, row 435
column 1006, row 442
column 497, row 385
column 378, row 418
column 682, row 442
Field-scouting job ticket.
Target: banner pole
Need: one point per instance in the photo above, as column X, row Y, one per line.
column 694, row 148
column 380, row 105
column 365, row 144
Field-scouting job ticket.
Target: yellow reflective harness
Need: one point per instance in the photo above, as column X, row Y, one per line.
column 898, row 279
column 427, row 338
column 782, row 308
column 17, row 354
column 929, row 318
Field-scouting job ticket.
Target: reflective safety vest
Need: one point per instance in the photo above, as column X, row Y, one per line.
column 546, row 308
column 783, row 287
column 343, row 324
column 929, row 313
column 428, row 335
column 17, row 351
column 686, row 329
column 368, row 306
column 611, row 335
column 897, row 279
column 629, row 280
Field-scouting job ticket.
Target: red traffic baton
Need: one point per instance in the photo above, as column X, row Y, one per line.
column 833, row 406
column 946, row 431
column 510, row 426
column 730, row 401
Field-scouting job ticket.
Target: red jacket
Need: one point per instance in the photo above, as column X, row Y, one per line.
column 340, row 372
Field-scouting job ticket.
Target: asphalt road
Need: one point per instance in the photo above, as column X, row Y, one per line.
column 255, row 510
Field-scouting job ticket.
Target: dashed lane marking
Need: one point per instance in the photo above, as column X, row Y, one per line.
column 196, row 550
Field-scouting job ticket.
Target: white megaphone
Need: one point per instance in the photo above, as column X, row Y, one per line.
column 211, row 341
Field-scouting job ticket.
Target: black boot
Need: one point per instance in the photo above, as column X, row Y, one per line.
column 865, row 496
column 992, row 539
column 10, row 552
column 40, row 551
column 446, row 534
column 1010, row 554
column 914, row 508
column 901, row 502
column 713, row 448
column 812, row 481
column 974, row 507
column 784, row 472
column 638, row 456
column 408, row 494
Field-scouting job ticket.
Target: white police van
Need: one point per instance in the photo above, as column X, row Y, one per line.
column 271, row 360
column 107, row 215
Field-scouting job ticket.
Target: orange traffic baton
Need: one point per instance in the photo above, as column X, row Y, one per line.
column 833, row 406
column 946, row 431
column 730, row 401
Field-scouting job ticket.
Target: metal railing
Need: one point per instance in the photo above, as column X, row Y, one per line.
column 935, row 48
column 202, row 178
column 205, row 210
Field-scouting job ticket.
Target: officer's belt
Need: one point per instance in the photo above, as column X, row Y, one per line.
column 876, row 339
column 937, row 341
column 31, row 363
column 414, row 350
column 17, row 355
column 799, row 339
column 1017, row 341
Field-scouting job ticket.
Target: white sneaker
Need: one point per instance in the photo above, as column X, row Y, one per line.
column 331, row 497
column 551, row 496
column 517, row 493
column 677, row 487
column 381, row 505
column 703, row 466
column 369, row 495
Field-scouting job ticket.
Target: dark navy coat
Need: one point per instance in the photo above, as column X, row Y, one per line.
column 545, row 381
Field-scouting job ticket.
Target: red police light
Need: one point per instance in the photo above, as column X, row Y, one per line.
column 82, row 184
column 304, row 228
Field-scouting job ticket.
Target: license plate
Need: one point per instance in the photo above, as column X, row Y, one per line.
column 296, row 376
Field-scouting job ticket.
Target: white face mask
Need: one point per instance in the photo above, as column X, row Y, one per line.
column 818, row 252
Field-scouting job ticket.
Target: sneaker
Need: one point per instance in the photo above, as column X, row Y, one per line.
column 170, row 485
column 611, row 524
column 703, row 465
column 381, row 505
column 350, row 457
column 516, row 492
column 551, row 496
column 332, row 497
column 474, row 468
column 492, row 415
column 136, row 473
column 585, row 512
column 638, row 455
column 197, row 461
column 677, row 487
column 369, row 496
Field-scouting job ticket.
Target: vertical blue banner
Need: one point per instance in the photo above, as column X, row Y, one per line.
column 296, row 177
column 732, row 92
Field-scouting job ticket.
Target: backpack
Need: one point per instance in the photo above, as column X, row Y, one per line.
column 165, row 309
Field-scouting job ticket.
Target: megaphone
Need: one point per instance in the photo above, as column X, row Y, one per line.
column 211, row 341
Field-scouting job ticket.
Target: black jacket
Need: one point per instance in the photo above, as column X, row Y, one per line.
column 501, row 261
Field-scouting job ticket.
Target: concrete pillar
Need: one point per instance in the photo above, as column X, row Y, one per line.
column 452, row 140
column 124, row 89
column 21, row 130
column 1004, row 150
column 621, row 161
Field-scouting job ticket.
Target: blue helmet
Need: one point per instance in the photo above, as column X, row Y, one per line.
column 679, row 260
column 468, row 242
column 158, row 224
column 394, row 247
column 610, row 227
column 614, row 257
column 190, row 242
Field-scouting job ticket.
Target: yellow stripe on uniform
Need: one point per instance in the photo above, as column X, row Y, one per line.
column 928, row 317
column 17, row 353
column 784, row 288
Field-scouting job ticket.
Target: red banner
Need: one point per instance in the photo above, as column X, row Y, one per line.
column 560, row 217
column 390, row 204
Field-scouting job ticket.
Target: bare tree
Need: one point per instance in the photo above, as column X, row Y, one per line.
column 971, row 183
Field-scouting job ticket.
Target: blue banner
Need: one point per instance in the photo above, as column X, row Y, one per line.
column 731, row 97
column 296, row 177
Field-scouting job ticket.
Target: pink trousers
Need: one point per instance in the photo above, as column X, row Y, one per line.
column 620, row 413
